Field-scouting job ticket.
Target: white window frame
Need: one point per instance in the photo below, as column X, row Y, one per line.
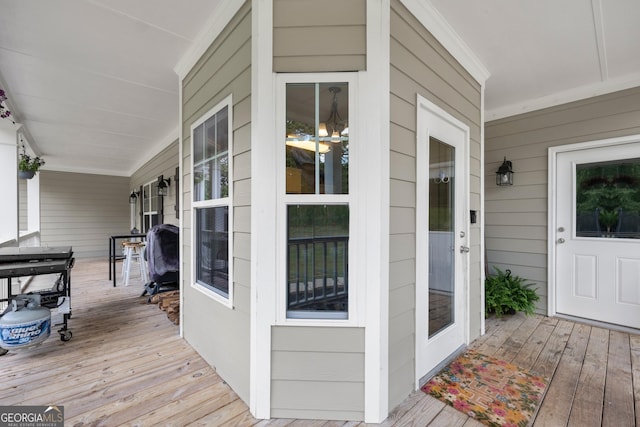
column 356, row 290
column 221, row 202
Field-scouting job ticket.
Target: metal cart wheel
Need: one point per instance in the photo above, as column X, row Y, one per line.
column 65, row 335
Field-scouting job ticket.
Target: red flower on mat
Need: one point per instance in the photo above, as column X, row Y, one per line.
column 453, row 390
column 462, row 406
column 499, row 411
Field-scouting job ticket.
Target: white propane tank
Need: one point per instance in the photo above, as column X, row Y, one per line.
column 26, row 324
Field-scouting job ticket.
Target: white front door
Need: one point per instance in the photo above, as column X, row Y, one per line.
column 441, row 237
column 597, row 233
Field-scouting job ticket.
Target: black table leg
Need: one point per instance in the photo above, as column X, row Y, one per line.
column 113, row 248
column 110, row 257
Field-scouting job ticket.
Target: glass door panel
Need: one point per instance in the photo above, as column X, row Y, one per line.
column 441, row 236
column 608, row 199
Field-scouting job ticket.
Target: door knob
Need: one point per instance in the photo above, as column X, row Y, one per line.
column 561, row 240
column 464, row 249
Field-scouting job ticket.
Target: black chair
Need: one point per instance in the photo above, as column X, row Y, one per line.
column 162, row 258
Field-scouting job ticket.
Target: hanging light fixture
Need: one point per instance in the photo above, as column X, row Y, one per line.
column 163, row 186
column 133, row 197
column 504, row 174
column 334, row 126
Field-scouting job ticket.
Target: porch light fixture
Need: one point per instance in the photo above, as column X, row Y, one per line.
column 504, row 174
column 163, row 186
column 133, row 197
column 334, row 125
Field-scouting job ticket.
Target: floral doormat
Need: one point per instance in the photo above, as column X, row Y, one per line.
column 492, row 391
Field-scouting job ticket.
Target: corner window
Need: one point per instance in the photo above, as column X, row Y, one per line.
column 211, row 148
column 317, row 202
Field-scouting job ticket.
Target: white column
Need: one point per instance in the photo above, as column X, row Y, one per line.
column 9, row 228
column 33, row 203
column 263, row 209
column 373, row 198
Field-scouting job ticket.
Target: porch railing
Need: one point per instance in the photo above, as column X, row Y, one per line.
column 318, row 276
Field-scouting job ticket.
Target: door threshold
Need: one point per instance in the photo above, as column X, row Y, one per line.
column 440, row 366
column 600, row 324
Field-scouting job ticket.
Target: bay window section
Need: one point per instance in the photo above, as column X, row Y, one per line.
column 316, row 194
column 211, row 148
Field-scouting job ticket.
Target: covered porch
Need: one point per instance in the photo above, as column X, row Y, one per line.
column 127, row 365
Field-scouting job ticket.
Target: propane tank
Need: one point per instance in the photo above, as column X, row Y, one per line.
column 26, row 324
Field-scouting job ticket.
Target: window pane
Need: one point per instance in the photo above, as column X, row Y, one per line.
column 301, row 138
column 212, row 246
column 198, row 144
column 222, row 125
column 441, row 236
column 608, row 199
column 211, row 169
column 317, row 138
column 154, row 196
column 317, row 260
column 334, row 117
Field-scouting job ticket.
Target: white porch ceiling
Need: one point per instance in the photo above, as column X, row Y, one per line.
column 94, row 85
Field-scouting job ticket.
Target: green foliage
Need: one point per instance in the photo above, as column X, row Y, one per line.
column 28, row 163
column 505, row 293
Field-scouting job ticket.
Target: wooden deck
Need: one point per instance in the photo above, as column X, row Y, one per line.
column 126, row 365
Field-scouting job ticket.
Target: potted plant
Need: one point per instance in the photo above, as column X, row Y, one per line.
column 508, row 294
column 28, row 166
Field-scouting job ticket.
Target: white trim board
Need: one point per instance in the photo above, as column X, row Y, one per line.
column 564, row 97
column 212, row 29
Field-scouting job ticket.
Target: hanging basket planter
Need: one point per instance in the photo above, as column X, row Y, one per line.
column 27, row 165
column 26, row 174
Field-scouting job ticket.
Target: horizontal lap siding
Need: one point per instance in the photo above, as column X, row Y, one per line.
column 316, row 36
column 82, row 211
column 317, row 372
column 420, row 65
column 164, row 163
column 516, row 216
column 220, row 334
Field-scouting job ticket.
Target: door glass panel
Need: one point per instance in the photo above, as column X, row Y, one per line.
column 441, row 236
column 608, row 199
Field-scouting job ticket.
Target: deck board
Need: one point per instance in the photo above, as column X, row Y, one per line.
column 618, row 393
column 127, row 365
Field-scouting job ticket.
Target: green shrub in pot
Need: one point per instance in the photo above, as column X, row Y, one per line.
column 508, row 294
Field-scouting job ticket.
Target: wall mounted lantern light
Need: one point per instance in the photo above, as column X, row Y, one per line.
column 133, row 197
column 504, row 174
column 163, row 185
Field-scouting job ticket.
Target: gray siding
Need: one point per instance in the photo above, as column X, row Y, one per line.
column 82, row 211
column 420, row 65
column 164, row 163
column 313, row 36
column 516, row 217
column 220, row 334
column 317, row 373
